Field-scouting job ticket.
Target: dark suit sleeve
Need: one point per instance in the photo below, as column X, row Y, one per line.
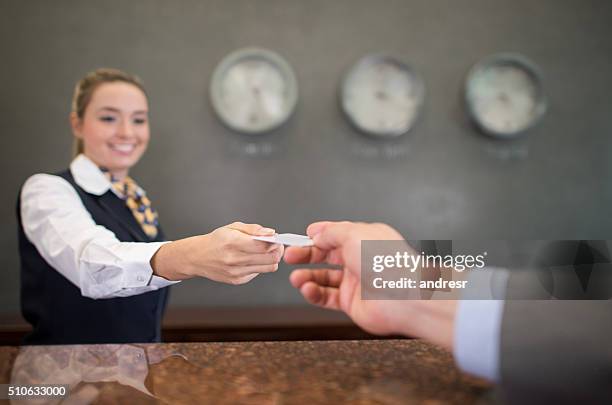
column 557, row 351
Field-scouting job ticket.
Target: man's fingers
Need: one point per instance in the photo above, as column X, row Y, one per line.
column 297, row 255
column 332, row 235
column 326, row 297
column 322, row 277
column 301, row 255
column 317, row 227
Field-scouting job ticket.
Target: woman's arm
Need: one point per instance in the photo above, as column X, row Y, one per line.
column 228, row 255
column 90, row 256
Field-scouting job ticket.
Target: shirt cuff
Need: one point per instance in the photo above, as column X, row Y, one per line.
column 478, row 324
column 160, row 282
column 138, row 272
column 477, row 337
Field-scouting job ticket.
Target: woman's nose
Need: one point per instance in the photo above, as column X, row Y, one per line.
column 125, row 129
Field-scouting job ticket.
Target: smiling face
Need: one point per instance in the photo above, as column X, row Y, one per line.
column 114, row 127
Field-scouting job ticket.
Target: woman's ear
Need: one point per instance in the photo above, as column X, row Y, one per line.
column 76, row 124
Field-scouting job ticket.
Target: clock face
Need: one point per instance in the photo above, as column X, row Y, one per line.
column 382, row 96
column 504, row 95
column 253, row 90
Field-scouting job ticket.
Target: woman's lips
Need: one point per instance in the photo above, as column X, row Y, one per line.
column 122, row 148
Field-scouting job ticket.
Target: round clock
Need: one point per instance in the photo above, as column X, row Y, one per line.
column 253, row 90
column 504, row 95
column 382, row 96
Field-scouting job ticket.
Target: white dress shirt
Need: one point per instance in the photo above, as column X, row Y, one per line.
column 90, row 256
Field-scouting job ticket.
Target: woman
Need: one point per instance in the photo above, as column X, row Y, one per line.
column 94, row 264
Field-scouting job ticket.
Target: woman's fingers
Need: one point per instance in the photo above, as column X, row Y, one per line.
column 251, row 229
column 243, row 240
column 322, row 277
column 245, row 279
column 257, row 269
column 243, row 275
column 256, row 246
column 326, row 297
column 242, row 259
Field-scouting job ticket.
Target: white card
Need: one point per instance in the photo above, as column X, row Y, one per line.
column 289, row 239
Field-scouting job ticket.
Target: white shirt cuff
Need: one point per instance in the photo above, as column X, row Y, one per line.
column 478, row 323
column 160, row 282
column 139, row 273
column 477, row 337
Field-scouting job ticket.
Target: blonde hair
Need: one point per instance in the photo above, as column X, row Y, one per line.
column 86, row 87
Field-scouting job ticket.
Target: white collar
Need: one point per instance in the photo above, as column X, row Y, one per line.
column 89, row 176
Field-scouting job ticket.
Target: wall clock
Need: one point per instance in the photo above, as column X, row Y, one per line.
column 382, row 96
column 253, row 90
column 504, row 95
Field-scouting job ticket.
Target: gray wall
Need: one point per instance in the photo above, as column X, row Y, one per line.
column 443, row 180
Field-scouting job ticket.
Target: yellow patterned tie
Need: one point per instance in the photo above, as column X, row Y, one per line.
column 137, row 202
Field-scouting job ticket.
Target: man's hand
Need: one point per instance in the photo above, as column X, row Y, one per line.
column 339, row 244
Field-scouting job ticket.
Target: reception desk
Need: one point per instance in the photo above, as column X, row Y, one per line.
column 299, row 372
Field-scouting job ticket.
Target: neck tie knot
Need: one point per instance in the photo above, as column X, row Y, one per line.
column 137, row 201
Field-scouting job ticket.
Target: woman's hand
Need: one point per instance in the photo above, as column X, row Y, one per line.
column 228, row 255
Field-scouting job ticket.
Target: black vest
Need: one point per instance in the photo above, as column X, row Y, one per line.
column 59, row 314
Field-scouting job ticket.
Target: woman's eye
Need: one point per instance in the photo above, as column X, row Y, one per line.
column 139, row 120
column 107, row 118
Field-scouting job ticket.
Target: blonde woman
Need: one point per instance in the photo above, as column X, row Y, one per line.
column 94, row 263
